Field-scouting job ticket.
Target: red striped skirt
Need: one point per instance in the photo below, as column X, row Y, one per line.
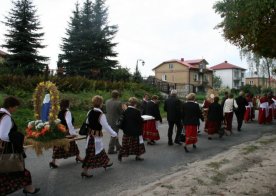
column 261, row 117
column 150, row 131
column 247, row 115
column 212, row 127
column 131, row 146
column 191, row 134
column 61, row 153
column 228, row 117
column 11, row 182
column 92, row 160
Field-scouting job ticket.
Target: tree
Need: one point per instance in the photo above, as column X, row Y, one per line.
column 92, row 47
column 23, row 40
column 249, row 24
column 217, row 82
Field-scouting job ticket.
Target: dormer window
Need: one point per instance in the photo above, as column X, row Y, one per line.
column 170, row 66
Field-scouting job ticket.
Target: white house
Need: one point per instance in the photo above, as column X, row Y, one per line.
column 232, row 76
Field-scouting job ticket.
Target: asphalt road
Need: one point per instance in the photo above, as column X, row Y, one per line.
column 160, row 160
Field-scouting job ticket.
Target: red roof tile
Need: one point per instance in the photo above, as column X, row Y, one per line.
column 225, row 65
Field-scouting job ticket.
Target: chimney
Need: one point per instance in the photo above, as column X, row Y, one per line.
column 225, row 62
column 182, row 59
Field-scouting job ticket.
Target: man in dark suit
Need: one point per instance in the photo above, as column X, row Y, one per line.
column 144, row 104
column 173, row 108
column 241, row 102
column 113, row 112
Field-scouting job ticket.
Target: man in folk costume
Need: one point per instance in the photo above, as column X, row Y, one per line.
column 153, row 110
column 228, row 108
column 248, row 108
column 263, row 109
column 270, row 108
column 239, row 112
column 191, row 114
column 205, row 106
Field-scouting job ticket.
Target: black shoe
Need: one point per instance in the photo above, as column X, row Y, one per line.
column 79, row 160
column 186, row 150
column 34, row 192
column 239, row 130
column 108, row 165
column 209, row 138
column 52, row 165
column 150, row 143
column 170, row 143
column 139, row 159
column 84, row 175
column 177, row 142
column 194, row 146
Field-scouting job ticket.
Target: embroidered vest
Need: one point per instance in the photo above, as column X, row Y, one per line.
column 94, row 123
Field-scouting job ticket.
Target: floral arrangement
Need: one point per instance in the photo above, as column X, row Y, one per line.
column 54, row 99
column 45, row 131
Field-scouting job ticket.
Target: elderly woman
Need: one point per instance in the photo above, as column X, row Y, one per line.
column 67, row 120
column 132, row 143
column 12, row 140
column 228, row 108
column 95, row 154
column 191, row 114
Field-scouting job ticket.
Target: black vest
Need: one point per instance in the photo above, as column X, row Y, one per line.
column 94, row 123
column 61, row 116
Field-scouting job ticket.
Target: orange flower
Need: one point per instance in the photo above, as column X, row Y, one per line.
column 61, row 127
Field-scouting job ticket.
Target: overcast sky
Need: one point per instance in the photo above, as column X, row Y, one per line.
column 152, row 30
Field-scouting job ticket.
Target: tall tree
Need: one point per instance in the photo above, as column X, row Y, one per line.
column 93, row 41
column 69, row 60
column 249, row 24
column 23, row 39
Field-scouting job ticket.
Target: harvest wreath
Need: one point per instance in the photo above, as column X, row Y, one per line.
column 47, row 134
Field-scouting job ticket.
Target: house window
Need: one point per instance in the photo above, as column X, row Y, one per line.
column 205, row 78
column 164, row 77
column 251, row 82
column 195, row 77
column 242, row 75
column 170, row 66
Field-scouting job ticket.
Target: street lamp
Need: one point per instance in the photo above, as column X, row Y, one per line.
column 141, row 60
column 137, row 74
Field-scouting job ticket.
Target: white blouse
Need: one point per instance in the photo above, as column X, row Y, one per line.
column 228, row 105
column 68, row 119
column 5, row 125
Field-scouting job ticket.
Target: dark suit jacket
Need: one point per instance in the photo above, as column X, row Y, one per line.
column 173, row 108
column 153, row 110
column 113, row 112
column 241, row 102
column 191, row 113
column 215, row 112
column 133, row 122
column 144, row 106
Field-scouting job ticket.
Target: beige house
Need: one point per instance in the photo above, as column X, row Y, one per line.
column 262, row 82
column 192, row 75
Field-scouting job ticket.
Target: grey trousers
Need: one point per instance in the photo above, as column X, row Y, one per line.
column 114, row 143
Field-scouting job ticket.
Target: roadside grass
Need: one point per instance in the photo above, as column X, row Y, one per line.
column 217, row 165
column 167, row 186
column 249, row 149
column 268, row 141
column 218, row 178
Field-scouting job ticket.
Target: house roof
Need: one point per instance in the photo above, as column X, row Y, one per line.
column 226, row 65
column 188, row 63
column 2, row 53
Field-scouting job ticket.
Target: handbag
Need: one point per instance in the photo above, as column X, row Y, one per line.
column 11, row 162
column 84, row 129
column 120, row 122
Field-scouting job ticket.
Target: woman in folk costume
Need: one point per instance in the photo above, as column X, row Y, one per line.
column 12, row 141
column 191, row 114
column 67, row 120
column 96, row 156
column 151, row 133
column 132, row 126
column 228, row 109
column 270, row 108
column 248, row 108
column 214, row 118
column 263, row 109
column 205, row 107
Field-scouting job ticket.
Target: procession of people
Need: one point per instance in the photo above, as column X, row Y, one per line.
column 186, row 115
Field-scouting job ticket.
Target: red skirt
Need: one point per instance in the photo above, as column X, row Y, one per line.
column 60, row 153
column 11, row 182
column 92, row 160
column 270, row 115
column 149, row 130
column 191, row 134
column 247, row 114
column 212, row 127
column 261, row 117
column 228, row 120
column 131, row 146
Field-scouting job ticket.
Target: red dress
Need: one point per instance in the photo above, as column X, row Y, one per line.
column 247, row 114
column 191, row 134
column 263, row 110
